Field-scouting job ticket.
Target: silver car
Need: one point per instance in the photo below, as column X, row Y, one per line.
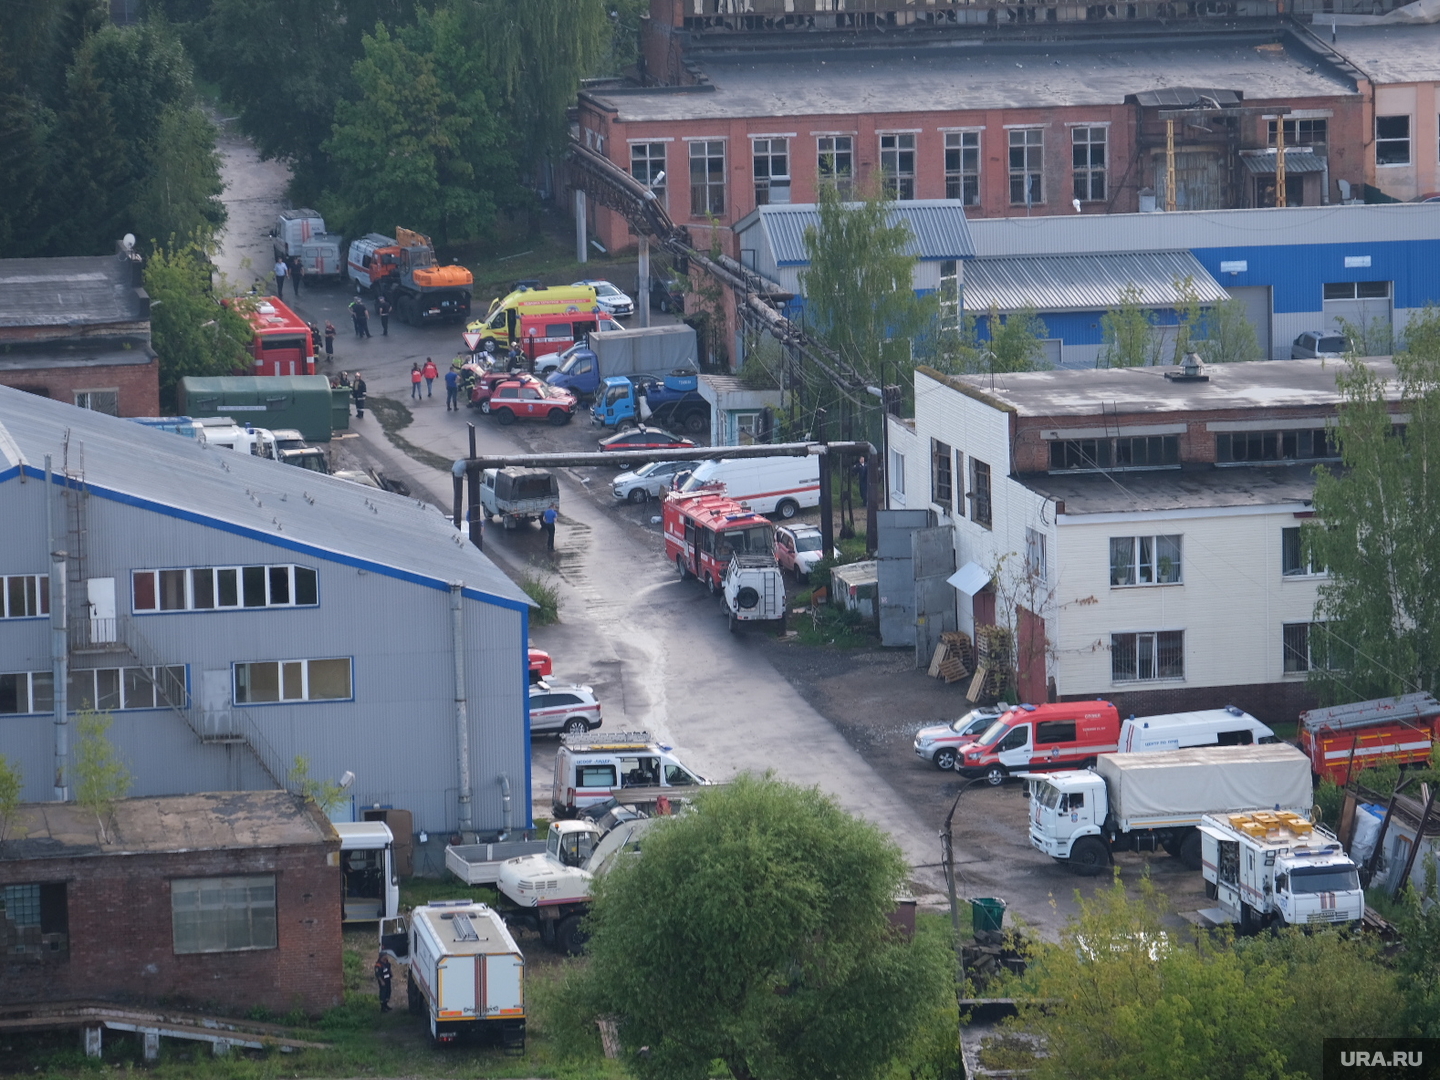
column 1319, row 344
column 648, row 481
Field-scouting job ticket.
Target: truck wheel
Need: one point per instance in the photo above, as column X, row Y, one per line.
column 1249, row 922
column 944, row 758
column 638, row 495
column 680, row 565
column 414, row 1000
column 1190, row 850
column 995, row 775
column 559, row 417
column 1171, row 844
column 788, row 508
column 569, row 937
column 504, row 416
column 489, row 346
column 695, row 423
column 1088, row 856
column 711, row 585
column 626, row 425
column 576, row 726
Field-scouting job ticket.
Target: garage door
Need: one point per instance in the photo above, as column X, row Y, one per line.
column 1365, row 306
column 1256, row 299
column 1052, row 352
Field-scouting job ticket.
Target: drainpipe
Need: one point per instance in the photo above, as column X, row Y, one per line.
column 505, row 804
column 462, row 714
column 1325, row 179
column 59, row 646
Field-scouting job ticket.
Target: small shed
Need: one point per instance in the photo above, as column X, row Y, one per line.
column 738, row 413
column 227, row 900
column 267, row 401
column 856, row 587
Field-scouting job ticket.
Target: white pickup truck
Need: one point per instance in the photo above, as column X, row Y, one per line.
column 517, row 495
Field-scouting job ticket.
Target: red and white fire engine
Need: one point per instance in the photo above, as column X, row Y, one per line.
column 730, row 548
column 283, row 344
column 1345, row 739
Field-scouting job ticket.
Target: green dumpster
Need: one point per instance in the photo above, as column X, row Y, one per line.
column 340, row 408
column 987, row 915
column 268, row 401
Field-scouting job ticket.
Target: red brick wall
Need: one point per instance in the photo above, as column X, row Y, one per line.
column 122, row 946
column 138, row 384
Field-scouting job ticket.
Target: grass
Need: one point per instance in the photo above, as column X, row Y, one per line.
column 395, row 417
column 833, row 626
column 543, row 590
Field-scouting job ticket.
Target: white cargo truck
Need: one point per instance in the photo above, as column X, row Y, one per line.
column 369, row 876
column 591, row 768
column 1273, row 867
column 300, row 234
column 464, row 971
column 1155, row 801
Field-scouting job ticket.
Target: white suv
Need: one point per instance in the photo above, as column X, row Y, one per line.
column 568, row 709
column 937, row 744
column 798, row 548
column 1319, row 344
column 649, row 481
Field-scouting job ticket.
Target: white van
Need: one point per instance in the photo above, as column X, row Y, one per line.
column 370, row 880
column 591, row 768
column 1208, row 727
column 768, row 485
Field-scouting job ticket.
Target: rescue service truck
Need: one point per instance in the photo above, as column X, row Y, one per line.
column 591, row 768
column 465, row 972
column 1348, row 738
column 494, row 332
column 1274, row 866
column 282, row 343
column 1031, row 738
column 731, row 549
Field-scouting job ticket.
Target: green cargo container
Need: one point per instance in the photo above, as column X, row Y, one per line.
column 267, row 401
column 340, row 408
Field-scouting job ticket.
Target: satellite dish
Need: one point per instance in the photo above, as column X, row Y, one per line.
column 129, row 242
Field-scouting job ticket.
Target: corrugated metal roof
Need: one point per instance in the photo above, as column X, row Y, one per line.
column 269, row 501
column 1295, row 162
column 938, row 228
column 1084, row 282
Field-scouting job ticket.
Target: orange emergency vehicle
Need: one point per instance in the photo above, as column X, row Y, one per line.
column 705, row 528
column 283, row 344
column 1033, row 738
column 1345, row 739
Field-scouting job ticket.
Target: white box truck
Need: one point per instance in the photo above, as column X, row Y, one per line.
column 464, row 971
column 768, row 485
column 1155, row 801
column 591, row 768
column 1229, row 726
column 300, row 234
column 1267, row 867
column 369, row 877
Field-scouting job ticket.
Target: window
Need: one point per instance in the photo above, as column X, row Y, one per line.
column 1392, row 140
column 647, row 164
column 1314, row 444
column 941, row 485
column 101, row 401
column 223, row 914
column 267, row 682
column 1126, row 452
column 897, row 474
column 1357, row 290
column 1079, row 454
column 1054, row 731
column 979, row 493
column 1145, row 560
column 707, row 177
column 35, row 921
column 1027, row 165
column 24, row 596
column 962, row 166
column 897, row 166
column 747, row 427
column 1294, row 560
column 1037, row 562
column 206, row 588
column 950, row 293
column 595, row 776
column 1302, row 132
column 675, row 776
column 1305, row 646
column 24, row 692
column 836, row 163
column 1087, row 154
column 1135, row 657
column 772, row 171
column 111, row 689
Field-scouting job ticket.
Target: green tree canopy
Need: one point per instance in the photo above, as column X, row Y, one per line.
column 1129, row 334
column 1377, row 532
column 754, row 930
column 192, row 333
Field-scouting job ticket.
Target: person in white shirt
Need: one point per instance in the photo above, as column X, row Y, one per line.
column 280, row 271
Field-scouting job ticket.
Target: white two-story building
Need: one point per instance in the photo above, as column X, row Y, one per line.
column 1138, row 533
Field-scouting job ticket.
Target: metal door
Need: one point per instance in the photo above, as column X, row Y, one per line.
column 504, row 993
column 1256, row 299
column 100, row 592
column 457, row 977
column 933, row 555
column 895, row 573
column 216, row 714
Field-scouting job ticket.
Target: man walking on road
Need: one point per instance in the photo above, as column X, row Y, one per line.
column 547, row 522
column 452, row 390
column 280, row 271
column 384, row 307
column 431, row 374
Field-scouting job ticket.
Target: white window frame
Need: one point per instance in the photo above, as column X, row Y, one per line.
column 897, row 476
column 1408, row 140
column 843, row 181
column 282, row 677
column 1139, row 566
column 649, row 160
column 293, row 575
column 1037, row 556
column 1030, row 172
column 956, row 179
column 897, row 151
column 226, row 932
column 123, row 680
column 1085, row 173
column 34, row 590
column 101, row 399
column 29, row 699
column 1142, row 640
column 710, row 186
column 772, row 181
column 746, row 424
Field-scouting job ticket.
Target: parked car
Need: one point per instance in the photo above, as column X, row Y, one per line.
column 937, row 744
column 798, row 548
column 485, row 386
column 531, row 400
column 648, row 481
column 645, row 438
column 568, row 709
column 667, row 294
column 610, row 298
column 1318, row 344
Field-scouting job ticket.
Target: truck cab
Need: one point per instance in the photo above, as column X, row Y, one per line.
column 1064, row 806
column 370, row 880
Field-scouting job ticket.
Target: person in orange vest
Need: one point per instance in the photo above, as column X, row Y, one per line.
column 431, row 374
column 415, row 378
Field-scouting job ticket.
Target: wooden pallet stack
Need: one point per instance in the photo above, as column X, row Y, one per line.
column 994, row 655
column 954, row 657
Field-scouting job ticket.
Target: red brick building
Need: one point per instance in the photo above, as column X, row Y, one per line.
column 227, row 901
column 78, row 330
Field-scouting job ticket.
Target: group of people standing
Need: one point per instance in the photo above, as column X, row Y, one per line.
column 291, row 268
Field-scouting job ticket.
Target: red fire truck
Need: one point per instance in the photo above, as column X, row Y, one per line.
column 1348, row 738
column 705, row 528
column 282, row 344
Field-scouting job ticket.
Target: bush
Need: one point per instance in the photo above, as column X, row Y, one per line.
column 545, row 592
column 1330, row 797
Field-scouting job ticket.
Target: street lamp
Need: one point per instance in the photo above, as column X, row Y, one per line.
column 948, row 859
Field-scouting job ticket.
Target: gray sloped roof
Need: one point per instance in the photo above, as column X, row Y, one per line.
column 1084, row 282
column 280, row 504
column 937, row 227
column 74, row 291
